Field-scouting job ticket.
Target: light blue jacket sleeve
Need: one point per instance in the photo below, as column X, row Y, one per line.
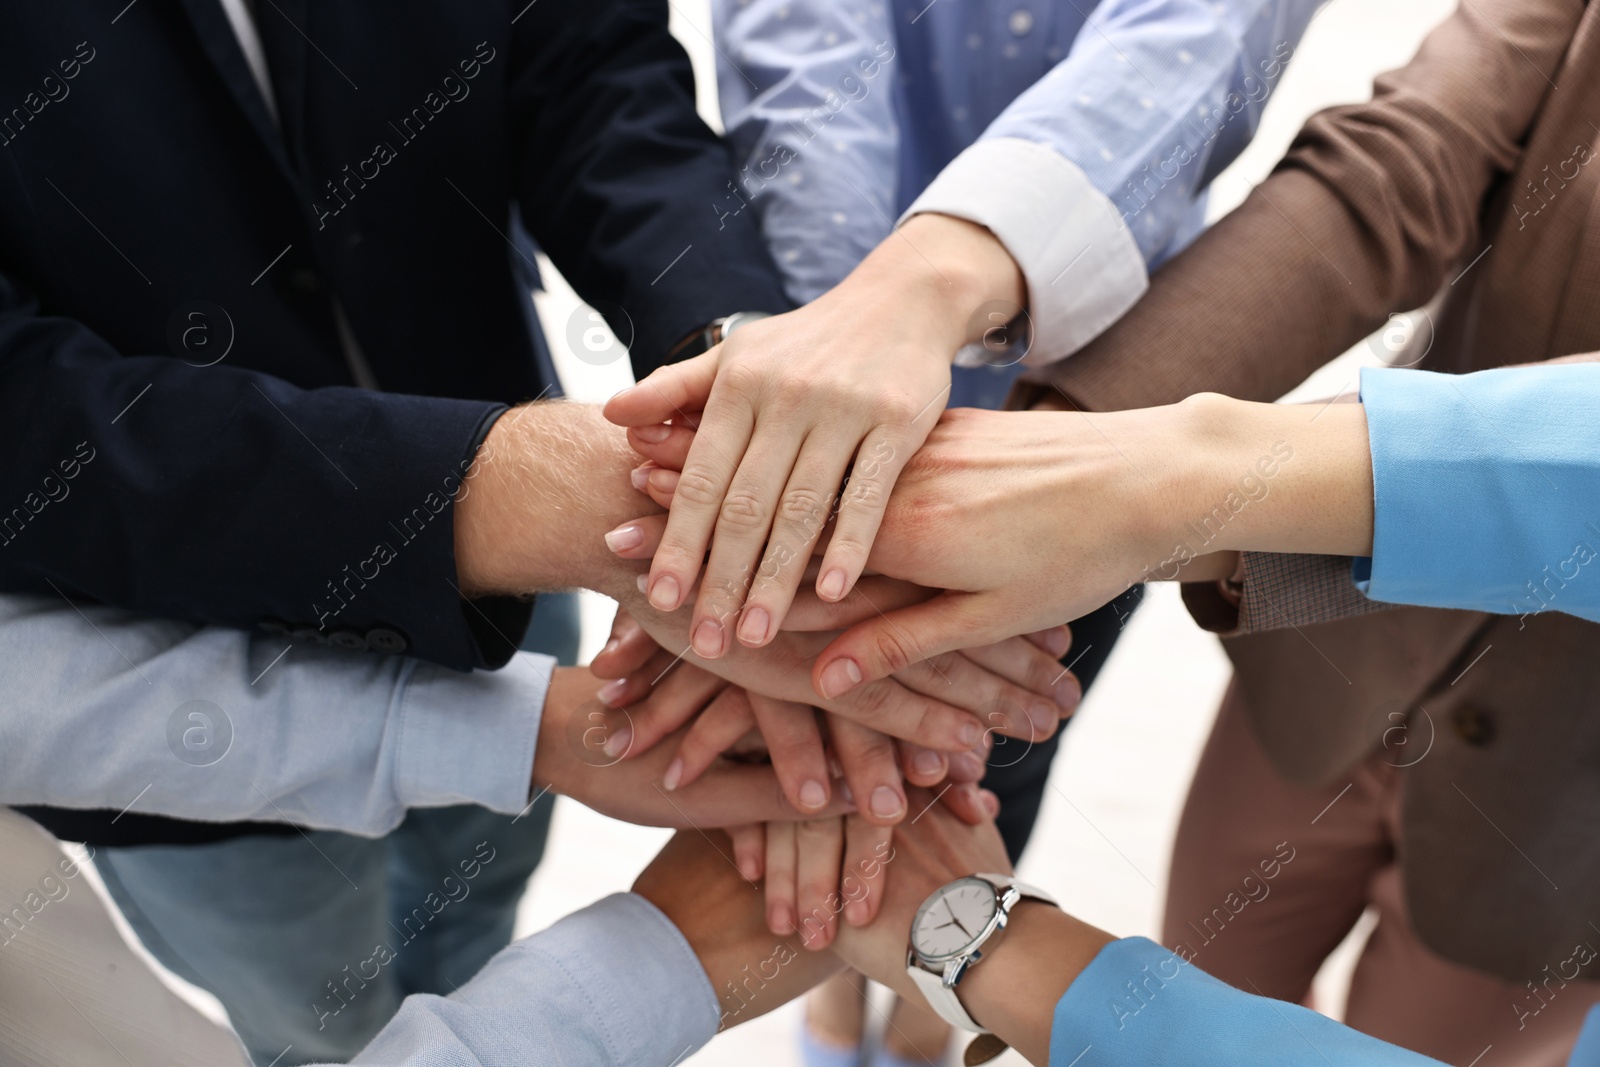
column 615, row 983
column 108, row 709
column 1486, row 489
column 1090, row 177
column 807, row 102
column 1139, row 1005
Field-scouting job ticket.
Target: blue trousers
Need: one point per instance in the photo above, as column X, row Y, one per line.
column 311, row 942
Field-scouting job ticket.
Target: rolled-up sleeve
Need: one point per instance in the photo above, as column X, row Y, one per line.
column 1092, row 176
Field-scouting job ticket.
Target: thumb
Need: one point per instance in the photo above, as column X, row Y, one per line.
column 888, row 643
column 670, row 392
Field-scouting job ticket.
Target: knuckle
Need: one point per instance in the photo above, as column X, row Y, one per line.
column 894, row 649
column 864, row 491
column 895, row 411
column 741, row 510
column 791, row 390
column 817, row 828
column 872, row 703
column 874, row 751
column 697, row 488
column 948, row 665
column 741, row 378
column 804, row 507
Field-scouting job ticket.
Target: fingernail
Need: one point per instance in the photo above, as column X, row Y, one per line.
column 970, row 732
column 620, row 393
column 640, row 477
column 781, row 919
column 753, row 627
column 642, row 582
column 812, row 795
column 839, row 677
column 664, row 594
column 855, row 913
column 927, row 763
column 624, row 537
column 610, row 694
column 1058, row 641
column 749, row 870
column 1068, row 693
column 846, row 794
column 674, row 775
column 618, row 743
column 886, row 803
column 1044, row 716
column 708, row 639
column 991, row 803
column 831, row 585
column 652, row 434
column 663, row 481
column 611, row 646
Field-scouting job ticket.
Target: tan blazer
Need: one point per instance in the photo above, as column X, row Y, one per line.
column 1472, row 176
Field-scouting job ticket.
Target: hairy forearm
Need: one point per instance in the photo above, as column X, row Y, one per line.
column 550, row 480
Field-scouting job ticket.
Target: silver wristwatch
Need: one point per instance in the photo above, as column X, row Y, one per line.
column 950, row 930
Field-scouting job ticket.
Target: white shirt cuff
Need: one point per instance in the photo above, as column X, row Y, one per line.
column 1080, row 261
column 469, row 738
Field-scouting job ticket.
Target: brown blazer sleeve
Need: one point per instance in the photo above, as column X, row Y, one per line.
column 1369, row 212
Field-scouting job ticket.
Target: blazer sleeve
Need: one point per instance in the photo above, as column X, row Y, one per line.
column 226, row 496
column 1368, row 213
column 621, row 182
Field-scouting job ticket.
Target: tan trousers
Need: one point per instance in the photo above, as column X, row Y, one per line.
column 1268, row 878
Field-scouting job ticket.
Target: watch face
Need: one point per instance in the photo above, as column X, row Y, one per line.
column 952, row 919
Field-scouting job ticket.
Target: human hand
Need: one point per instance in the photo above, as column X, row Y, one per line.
column 720, row 915
column 1002, row 685
column 788, row 406
column 1025, row 969
column 574, row 757
column 819, row 871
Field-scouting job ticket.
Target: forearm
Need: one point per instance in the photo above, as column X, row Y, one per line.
column 1015, row 991
column 1275, row 478
column 551, row 479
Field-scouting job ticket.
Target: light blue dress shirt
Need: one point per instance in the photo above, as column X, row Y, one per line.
column 1083, row 143
column 1486, row 489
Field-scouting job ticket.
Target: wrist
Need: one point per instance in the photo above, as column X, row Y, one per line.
column 1277, row 477
column 548, row 482
column 1014, row 990
column 940, row 273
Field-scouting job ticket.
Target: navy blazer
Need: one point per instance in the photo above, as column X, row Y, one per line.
column 179, row 431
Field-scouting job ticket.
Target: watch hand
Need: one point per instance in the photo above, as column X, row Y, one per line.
column 961, row 924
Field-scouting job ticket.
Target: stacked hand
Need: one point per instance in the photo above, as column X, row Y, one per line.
column 813, row 868
column 1012, row 991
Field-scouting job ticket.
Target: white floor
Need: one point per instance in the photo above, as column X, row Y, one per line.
column 1106, row 829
